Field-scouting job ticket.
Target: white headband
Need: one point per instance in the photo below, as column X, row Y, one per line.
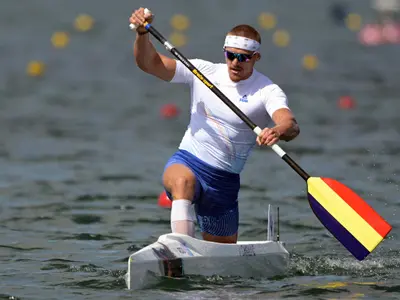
column 241, row 42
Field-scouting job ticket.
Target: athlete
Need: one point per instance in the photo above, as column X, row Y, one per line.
column 205, row 170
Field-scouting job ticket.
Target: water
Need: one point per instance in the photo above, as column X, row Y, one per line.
column 82, row 150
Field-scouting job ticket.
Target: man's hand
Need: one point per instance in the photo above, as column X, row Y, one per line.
column 268, row 136
column 138, row 18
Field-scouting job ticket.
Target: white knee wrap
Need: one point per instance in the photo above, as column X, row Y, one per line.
column 182, row 210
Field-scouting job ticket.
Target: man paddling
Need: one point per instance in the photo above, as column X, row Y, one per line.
column 205, row 171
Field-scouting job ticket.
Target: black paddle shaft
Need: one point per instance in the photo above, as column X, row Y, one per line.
column 219, row 94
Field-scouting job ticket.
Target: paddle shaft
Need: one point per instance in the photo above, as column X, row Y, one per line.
column 278, row 150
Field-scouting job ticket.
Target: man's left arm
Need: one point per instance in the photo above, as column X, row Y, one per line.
column 286, row 127
column 285, row 124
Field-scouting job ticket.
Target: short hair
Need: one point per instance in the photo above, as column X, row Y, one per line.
column 245, row 30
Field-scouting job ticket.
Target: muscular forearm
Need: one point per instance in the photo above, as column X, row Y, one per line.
column 144, row 52
column 288, row 130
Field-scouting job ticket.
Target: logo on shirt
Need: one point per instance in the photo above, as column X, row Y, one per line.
column 244, row 99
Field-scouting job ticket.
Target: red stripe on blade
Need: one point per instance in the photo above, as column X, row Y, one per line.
column 359, row 206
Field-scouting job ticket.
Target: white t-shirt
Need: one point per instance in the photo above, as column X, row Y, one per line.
column 215, row 134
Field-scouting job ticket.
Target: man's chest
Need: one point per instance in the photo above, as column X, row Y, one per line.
column 248, row 100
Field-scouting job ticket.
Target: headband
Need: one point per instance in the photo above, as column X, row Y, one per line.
column 241, row 42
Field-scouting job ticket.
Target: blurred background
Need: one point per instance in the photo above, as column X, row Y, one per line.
column 84, row 136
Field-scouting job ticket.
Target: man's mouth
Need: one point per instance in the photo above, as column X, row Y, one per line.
column 235, row 71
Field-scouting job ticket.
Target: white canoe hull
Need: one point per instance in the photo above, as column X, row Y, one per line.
column 176, row 255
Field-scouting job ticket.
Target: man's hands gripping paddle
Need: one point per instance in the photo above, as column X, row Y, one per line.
column 268, row 137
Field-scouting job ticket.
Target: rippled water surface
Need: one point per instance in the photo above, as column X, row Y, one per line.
column 83, row 147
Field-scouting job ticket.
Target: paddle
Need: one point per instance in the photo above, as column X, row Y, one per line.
column 346, row 215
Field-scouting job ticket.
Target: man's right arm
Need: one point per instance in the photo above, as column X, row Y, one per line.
column 150, row 61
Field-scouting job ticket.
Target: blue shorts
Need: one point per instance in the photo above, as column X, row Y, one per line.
column 216, row 195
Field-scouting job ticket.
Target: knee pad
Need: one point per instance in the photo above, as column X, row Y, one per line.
column 182, row 210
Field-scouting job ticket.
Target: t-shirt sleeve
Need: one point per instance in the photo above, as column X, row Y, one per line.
column 275, row 99
column 184, row 75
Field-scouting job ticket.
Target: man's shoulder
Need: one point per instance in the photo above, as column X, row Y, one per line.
column 205, row 66
column 201, row 62
column 263, row 80
column 266, row 85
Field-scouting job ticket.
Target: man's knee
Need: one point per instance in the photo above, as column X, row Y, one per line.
column 183, row 183
column 177, row 171
column 180, row 181
column 183, row 188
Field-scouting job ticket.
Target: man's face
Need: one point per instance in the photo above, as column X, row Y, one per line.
column 240, row 63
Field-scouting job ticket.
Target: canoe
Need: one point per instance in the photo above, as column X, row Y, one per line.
column 178, row 255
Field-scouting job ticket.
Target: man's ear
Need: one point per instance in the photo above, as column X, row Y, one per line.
column 258, row 56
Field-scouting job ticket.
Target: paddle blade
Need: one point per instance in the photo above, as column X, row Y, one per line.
column 347, row 216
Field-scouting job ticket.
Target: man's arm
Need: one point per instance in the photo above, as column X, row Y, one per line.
column 285, row 124
column 145, row 54
column 286, row 128
column 150, row 61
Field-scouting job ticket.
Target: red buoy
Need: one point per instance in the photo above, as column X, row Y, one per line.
column 346, row 102
column 169, row 111
column 164, row 201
